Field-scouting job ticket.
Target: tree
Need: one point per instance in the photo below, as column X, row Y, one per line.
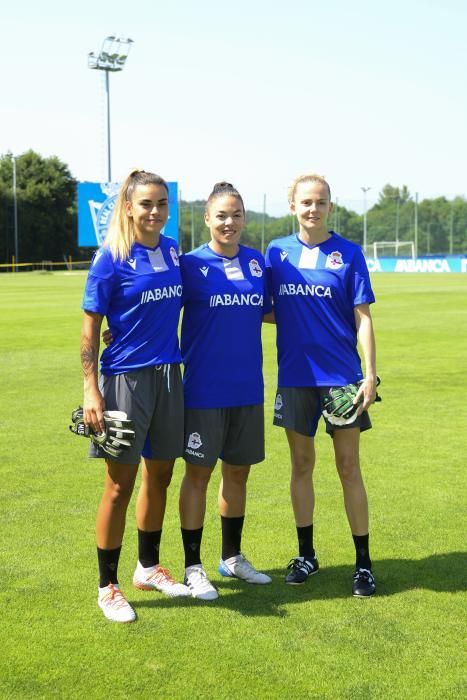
column 392, row 217
column 46, row 205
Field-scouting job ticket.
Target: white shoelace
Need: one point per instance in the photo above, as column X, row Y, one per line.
column 197, row 579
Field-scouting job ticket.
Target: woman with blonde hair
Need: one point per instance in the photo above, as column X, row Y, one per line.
column 322, row 295
column 134, row 281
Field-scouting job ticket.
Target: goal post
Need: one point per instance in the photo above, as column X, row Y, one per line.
column 392, row 249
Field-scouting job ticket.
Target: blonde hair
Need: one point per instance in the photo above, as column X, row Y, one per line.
column 121, row 232
column 309, row 177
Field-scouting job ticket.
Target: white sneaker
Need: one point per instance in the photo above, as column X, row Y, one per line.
column 199, row 584
column 239, row 567
column 155, row 578
column 114, row 605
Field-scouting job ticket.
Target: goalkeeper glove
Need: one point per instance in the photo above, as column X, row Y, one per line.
column 118, row 435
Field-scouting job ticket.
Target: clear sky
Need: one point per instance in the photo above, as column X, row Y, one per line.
column 251, row 91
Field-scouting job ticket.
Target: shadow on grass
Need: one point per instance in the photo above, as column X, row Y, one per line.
column 439, row 572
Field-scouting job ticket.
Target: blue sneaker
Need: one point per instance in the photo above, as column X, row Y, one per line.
column 300, row 569
column 363, row 583
column 239, row 567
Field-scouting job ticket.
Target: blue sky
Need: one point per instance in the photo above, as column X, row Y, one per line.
column 364, row 92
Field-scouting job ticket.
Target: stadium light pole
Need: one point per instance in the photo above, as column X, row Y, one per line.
column 365, row 227
column 111, row 59
column 15, row 207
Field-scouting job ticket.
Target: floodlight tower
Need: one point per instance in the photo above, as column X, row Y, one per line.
column 111, row 59
column 15, row 210
column 365, row 229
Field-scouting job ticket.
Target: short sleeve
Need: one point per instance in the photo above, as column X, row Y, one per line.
column 362, row 291
column 99, row 283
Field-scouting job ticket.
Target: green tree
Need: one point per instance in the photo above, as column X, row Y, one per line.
column 46, row 205
column 392, row 217
column 458, row 225
column 347, row 223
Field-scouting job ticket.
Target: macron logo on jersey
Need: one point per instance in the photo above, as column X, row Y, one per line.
column 284, row 255
column 236, row 300
column 161, row 293
column 204, row 270
column 132, row 263
column 305, row 290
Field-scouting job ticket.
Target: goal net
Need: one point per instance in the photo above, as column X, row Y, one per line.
column 392, row 249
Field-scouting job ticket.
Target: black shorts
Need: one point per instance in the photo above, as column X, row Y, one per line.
column 299, row 408
column 235, row 434
column 152, row 397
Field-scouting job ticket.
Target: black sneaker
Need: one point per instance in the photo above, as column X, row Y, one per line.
column 300, row 568
column 363, row 583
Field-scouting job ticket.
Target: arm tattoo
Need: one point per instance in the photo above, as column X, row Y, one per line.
column 88, row 357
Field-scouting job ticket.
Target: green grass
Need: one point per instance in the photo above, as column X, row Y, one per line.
column 276, row 641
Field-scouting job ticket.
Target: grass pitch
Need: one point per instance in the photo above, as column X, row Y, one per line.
column 314, row 641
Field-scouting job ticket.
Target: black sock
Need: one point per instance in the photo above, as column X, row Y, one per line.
column 305, row 542
column 362, row 550
column 148, row 547
column 108, row 565
column 192, row 546
column 231, row 536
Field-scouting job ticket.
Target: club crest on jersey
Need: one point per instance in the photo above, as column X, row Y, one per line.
column 174, row 256
column 204, row 270
column 284, row 255
column 334, row 260
column 255, row 268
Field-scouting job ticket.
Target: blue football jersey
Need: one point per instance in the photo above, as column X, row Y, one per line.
column 315, row 290
column 224, row 300
column 141, row 298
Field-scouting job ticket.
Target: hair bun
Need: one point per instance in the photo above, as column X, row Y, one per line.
column 221, row 186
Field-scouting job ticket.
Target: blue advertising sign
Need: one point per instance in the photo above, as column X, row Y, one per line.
column 450, row 263
column 96, row 202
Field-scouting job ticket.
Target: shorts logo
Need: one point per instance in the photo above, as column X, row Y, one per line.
column 255, row 269
column 284, row 255
column 204, row 270
column 334, row 260
column 194, row 441
column 174, row 256
column 278, row 403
